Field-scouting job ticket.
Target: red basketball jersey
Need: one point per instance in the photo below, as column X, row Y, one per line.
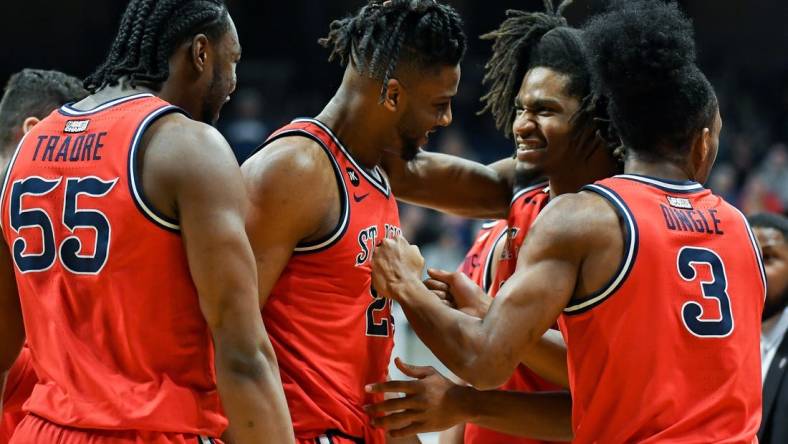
column 21, row 380
column 669, row 350
column 112, row 316
column 526, row 205
column 331, row 332
column 479, row 263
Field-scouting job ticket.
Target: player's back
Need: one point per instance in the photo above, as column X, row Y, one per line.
column 111, row 314
column 332, row 334
column 668, row 351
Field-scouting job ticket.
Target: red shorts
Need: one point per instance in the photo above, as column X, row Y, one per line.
column 323, row 439
column 36, row 430
column 332, row 437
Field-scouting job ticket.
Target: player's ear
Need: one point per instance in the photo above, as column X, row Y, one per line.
column 29, row 123
column 700, row 151
column 199, row 52
column 393, row 97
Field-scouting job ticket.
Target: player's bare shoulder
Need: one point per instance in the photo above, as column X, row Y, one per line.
column 582, row 221
column 176, row 154
column 294, row 176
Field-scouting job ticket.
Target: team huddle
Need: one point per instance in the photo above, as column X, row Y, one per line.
column 152, row 291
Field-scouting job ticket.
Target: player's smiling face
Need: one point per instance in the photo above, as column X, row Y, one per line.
column 427, row 106
column 542, row 125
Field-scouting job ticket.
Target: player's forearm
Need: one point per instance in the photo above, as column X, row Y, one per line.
column 252, row 395
column 543, row 416
column 457, row 339
column 452, row 185
column 547, row 358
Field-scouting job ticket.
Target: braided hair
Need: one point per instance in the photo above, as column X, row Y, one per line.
column 386, row 34
column 149, row 33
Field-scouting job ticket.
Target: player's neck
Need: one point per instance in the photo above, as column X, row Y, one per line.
column 570, row 178
column 108, row 94
column 661, row 169
column 348, row 116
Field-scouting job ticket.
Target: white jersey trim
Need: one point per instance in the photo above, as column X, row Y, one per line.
column 630, row 250
column 756, row 249
column 132, row 171
column 68, row 110
column 379, row 182
column 528, row 189
column 689, row 186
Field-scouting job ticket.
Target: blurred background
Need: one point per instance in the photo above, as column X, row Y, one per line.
column 284, row 74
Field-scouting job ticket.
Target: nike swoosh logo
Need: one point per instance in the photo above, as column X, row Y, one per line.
column 358, row 198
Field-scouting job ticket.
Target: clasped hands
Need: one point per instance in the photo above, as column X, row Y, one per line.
column 431, row 402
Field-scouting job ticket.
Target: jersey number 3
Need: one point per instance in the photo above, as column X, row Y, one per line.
column 73, row 218
column 692, row 312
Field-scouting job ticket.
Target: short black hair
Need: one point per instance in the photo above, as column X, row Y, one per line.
column 770, row 220
column 149, row 33
column 643, row 59
column 384, row 34
column 34, row 93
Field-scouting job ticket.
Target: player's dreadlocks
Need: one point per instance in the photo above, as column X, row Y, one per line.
column 643, row 57
column 149, row 33
column 530, row 39
column 419, row 33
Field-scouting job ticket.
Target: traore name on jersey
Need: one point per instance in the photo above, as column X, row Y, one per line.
column 69, row 148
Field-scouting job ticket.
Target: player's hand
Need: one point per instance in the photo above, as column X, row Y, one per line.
column 431, row 402
column 395, row 261
column 441, row 290
column 460, row 290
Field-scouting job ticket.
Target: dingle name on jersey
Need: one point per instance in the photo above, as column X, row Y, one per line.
column 698, row 221
column 70, row 148
column 367, row 240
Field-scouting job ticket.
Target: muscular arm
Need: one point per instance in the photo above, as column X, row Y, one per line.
column 432, row 402
column 544, row 416
column 486, row 351
column 12, row 334
column 452, row 184
column 293, row 191
column 194, row 163
column 547, row 357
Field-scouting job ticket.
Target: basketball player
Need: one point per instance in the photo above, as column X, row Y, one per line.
column 554, row 107
column 647, row 270
column 131, row 263
column 30, row 95
column 320, row 178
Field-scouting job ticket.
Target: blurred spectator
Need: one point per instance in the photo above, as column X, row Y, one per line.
column 774, row 171
column 723, row 182
column 756, row 197
column 246, row 131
